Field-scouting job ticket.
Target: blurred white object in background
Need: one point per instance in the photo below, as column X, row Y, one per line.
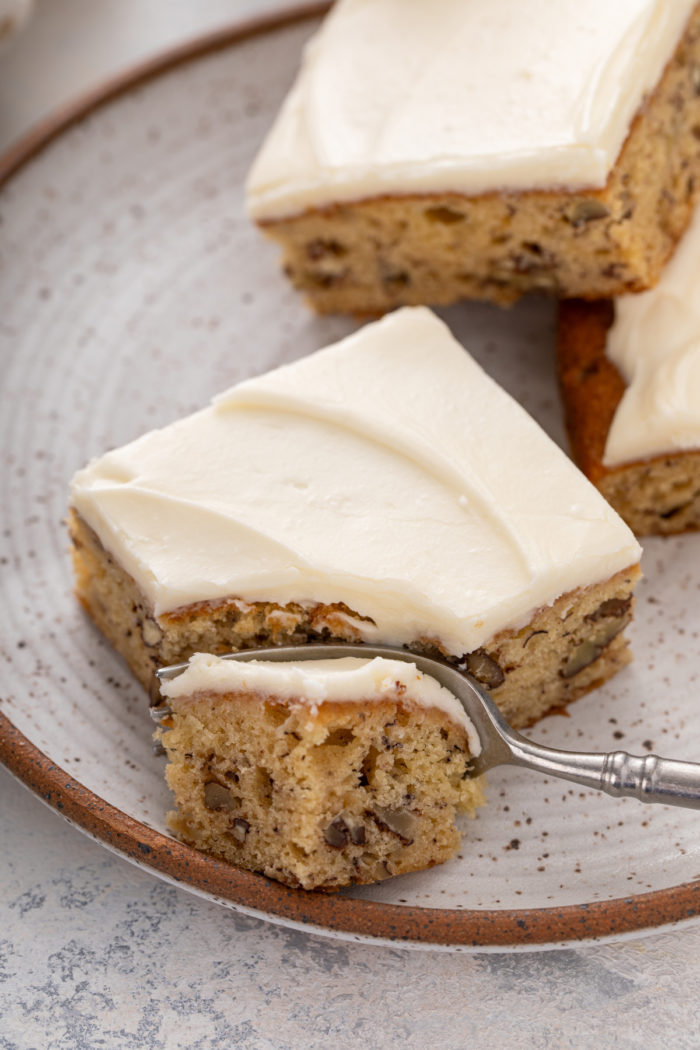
column 72, row 47
column 13, row 15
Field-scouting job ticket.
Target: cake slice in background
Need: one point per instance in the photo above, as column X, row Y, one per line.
column 459, row 149
column 384, row 489
column 630, row 380
column 318, row 773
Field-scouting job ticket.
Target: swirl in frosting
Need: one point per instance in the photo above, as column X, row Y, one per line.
column 388, row 472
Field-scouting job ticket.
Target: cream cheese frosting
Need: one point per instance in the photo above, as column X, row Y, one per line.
column 655, row 344
column 388, row 472
column 314, row 682
column 404, row 96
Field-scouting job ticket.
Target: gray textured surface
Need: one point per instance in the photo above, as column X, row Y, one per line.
column 96, row 953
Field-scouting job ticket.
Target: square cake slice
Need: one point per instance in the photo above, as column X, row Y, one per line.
column 384, row 489
column 458, row 149
column 318, row 773
column 630, row 380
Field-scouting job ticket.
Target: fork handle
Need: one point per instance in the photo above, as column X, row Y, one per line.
column 644, row 777
column 651, row 779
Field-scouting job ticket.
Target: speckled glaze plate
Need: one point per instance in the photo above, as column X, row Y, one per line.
column 133, row 288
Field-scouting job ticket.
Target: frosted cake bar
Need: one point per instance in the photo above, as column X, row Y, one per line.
column 384, row 489
column 433, row 152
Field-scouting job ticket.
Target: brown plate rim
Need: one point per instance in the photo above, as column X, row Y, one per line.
column 165, row 856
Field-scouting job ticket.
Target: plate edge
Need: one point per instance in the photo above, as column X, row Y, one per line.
column 50, row 127
column 400, row 925
column 408, row 925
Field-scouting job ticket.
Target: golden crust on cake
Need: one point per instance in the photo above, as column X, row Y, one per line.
column 564, row 650
column 660, row 494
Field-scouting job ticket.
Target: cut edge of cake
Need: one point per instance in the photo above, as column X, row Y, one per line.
column 323, row 794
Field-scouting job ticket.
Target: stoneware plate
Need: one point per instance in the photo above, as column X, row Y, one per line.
column 133, row 289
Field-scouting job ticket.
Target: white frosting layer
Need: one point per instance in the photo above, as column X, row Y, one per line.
column 655, row 344
column 405, row 96
column 387, row 472
column 314, row 682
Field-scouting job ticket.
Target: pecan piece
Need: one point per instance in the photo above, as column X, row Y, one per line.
column 342, row 830
column 400, row 822
column 611, row 607
column 217, row 797
column 485, row 669
column 588, row 210
column 582, row 656
column 241, row 828
column 441, row 213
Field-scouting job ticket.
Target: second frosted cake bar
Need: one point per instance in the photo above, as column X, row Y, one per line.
column 384, row 489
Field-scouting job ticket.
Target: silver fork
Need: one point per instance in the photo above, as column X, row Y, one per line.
column 647, row 778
